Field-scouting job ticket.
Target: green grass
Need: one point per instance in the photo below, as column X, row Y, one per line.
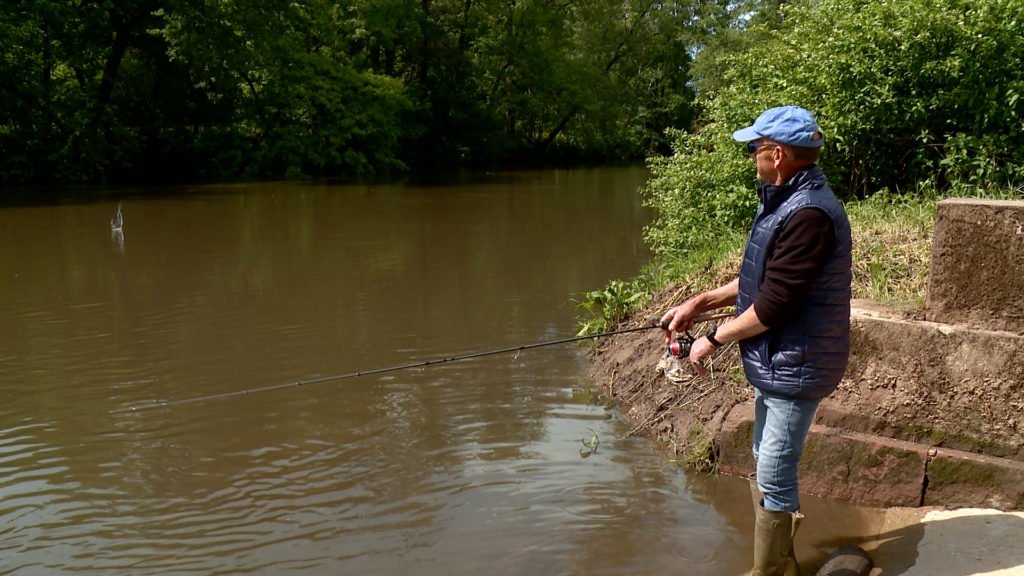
column 892, row 238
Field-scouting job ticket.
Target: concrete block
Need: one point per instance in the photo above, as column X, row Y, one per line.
column 862, row 468
column 977, row 270
column 934, row 384
column 733, row 441
column 959, row 479
column 840, row 465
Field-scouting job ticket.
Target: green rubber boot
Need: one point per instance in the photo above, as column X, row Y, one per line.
column 773, row 538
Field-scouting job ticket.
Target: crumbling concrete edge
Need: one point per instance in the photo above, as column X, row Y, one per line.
column 879, row 471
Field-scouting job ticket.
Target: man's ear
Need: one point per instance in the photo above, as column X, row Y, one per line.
column 778, row 154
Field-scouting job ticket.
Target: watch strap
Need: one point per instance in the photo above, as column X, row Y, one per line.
column 711, row 337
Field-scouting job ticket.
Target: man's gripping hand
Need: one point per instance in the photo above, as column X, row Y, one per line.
column 679, row 318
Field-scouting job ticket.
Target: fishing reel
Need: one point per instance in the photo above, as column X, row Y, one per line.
column 680, row 347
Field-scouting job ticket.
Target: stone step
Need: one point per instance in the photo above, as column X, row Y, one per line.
column 879, row 471
column 938, row 384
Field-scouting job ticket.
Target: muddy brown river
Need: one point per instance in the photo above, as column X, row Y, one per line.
column 482, row 466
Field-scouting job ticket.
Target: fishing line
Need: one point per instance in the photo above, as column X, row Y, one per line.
column 299, row 383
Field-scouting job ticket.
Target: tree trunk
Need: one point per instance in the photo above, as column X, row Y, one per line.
column 122, row 37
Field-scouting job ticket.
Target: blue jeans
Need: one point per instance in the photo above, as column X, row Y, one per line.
column 780, row 429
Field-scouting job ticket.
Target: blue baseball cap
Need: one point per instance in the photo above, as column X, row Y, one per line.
column 791, row 125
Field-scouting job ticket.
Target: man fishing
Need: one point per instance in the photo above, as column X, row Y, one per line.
column 792, row 321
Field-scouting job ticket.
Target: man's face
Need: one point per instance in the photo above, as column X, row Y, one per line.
column 763, row 153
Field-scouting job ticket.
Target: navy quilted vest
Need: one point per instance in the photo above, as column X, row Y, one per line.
column 806, row 356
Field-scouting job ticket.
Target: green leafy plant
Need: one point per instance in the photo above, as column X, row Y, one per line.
column 606, row 308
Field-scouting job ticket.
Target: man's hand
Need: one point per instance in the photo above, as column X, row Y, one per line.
column 679, row 318
column 701, row 349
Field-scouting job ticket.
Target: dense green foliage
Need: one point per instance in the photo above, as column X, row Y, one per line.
column 155, row 89
column 911, row 94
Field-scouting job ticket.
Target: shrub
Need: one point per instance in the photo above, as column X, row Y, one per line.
column 905, row 91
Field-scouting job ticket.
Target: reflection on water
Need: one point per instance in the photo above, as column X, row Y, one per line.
column 461, row 468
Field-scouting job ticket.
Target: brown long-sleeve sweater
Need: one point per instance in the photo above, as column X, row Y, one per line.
column 796, row 260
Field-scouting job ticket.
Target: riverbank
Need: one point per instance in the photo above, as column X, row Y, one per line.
column 928, row 413
column 926, row 419
column 694, row 421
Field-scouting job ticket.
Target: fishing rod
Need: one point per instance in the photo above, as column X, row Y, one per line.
column 296, row 384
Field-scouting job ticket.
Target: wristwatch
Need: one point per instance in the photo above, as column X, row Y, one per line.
column 711, row 337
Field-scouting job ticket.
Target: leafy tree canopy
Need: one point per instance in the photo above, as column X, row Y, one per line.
column 155, row 89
